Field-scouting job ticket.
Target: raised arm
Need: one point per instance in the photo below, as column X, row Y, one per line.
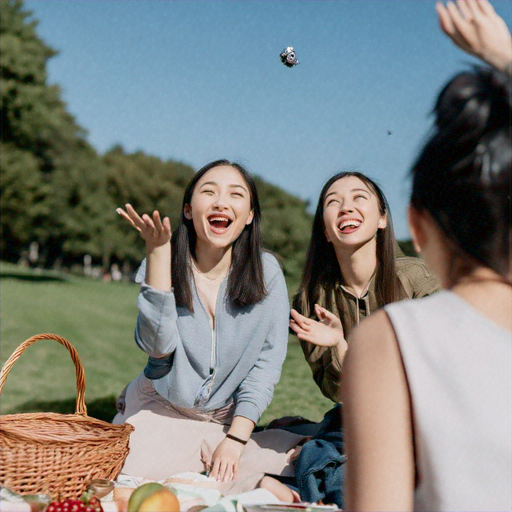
column 157, row 235
column 474, row 26
column 156, row 332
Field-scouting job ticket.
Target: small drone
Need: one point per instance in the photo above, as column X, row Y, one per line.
column 288, row 57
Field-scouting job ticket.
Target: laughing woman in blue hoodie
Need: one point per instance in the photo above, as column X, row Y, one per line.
column 213, row 319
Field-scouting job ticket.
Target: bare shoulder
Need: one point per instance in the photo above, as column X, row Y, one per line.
column 373, row 359
column 377, row 420
column 374, row 335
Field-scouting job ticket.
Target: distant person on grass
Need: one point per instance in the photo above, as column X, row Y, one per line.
column 213, row 318
column 427, row 383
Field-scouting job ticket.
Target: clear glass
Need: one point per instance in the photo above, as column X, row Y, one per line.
column 38, row 502
column 101, row 488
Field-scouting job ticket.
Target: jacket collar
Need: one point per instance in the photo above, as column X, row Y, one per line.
column 370, row 287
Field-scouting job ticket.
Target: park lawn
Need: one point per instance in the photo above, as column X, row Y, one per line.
column 98, row 319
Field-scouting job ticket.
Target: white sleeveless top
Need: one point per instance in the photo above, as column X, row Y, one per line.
column 458, row 367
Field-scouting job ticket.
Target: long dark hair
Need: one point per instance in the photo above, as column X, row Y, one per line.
column 322, row 271
column 246, row 284
column 462, row 175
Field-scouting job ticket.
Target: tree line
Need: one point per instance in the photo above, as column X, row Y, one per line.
column 61, row 193
column 58, row 191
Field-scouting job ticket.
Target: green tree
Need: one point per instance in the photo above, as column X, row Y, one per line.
column 286, row 228
column 147, row 183
column 23, row 193
column 53, row 188
column 58, row 191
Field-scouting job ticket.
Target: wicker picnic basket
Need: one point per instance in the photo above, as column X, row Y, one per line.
column 58, row 454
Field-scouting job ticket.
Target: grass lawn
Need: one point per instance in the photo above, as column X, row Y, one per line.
column 98, row 319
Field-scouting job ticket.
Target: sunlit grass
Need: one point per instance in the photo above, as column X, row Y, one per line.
column 98, row 319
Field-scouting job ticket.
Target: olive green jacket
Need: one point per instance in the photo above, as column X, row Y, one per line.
column 417, row 282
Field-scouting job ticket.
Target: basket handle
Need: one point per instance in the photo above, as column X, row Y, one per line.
column 80, row 373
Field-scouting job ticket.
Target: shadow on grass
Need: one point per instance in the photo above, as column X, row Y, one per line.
column 101, row 408
column 42, row 278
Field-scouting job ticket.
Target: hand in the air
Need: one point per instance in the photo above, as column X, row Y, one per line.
column 474, row 26
column 155, row 231
column 225, row 460
column 327, row 332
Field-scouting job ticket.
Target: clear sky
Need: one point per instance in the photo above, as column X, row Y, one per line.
column 197, row 80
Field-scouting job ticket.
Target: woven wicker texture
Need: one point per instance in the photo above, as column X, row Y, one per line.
column 58, row 454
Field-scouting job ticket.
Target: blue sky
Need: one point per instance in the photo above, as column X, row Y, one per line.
column 197, row 80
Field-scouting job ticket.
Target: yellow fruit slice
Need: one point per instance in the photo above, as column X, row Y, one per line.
column 141, row 493
column 160, row 501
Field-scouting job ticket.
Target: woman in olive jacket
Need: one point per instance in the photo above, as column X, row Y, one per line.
column 353, row 267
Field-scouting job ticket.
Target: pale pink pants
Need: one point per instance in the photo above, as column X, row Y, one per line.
column 167, row 441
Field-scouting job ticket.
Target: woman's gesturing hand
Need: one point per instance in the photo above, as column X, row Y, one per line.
column 474, row 26
column 225, row 460
column 327, row 332
column 155, row 231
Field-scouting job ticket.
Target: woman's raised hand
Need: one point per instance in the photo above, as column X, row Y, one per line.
column 157, row 234
column 326, row 332
column 155, row 231
column 474, row 26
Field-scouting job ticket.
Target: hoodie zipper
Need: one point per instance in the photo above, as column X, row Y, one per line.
column 203, row 395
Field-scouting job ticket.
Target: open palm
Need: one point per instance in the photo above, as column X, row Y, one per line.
column 155, row 231
column 474, row 26
column 327, row 331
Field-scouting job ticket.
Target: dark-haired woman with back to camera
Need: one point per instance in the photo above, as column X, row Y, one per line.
column 354, row 278
column 213, row 319
column 427, row 383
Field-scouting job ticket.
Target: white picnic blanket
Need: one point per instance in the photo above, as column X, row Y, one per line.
column 192, row 490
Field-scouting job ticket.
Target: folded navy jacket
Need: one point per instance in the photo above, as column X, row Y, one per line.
column 320, row 467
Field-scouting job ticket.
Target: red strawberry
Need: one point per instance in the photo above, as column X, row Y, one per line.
column 93, row 508
column 76, row 506
column 68, row 505
column 55, row 506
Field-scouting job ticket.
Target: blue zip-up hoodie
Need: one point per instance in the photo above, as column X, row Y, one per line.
column 249, row 346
